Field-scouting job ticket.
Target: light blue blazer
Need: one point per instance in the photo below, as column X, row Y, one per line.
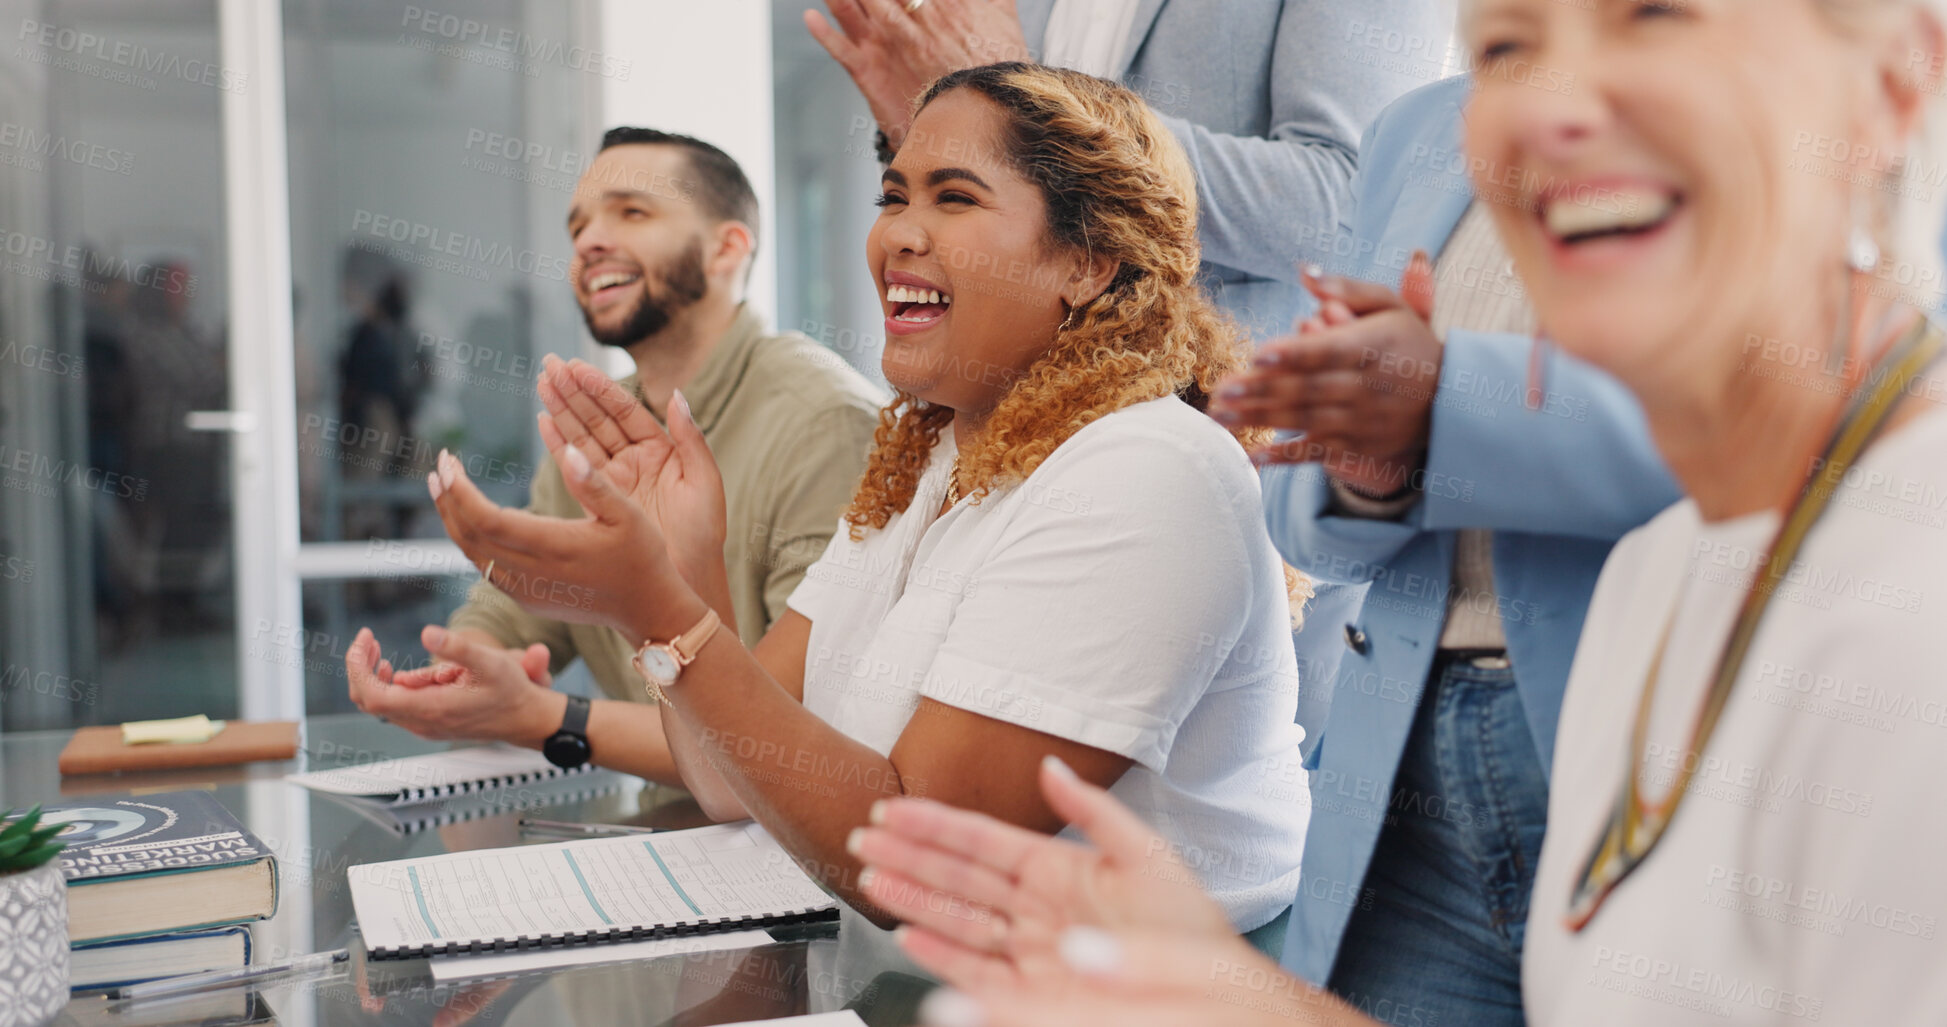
column 1268, row 97
column 1557, row 486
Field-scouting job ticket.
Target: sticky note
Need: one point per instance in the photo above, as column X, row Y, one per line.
column 180, row 731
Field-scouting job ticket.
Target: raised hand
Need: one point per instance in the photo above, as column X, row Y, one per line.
column 611, row 567
column 892, row 55
column 670, row 474
column 873, row 47
column 988, row 901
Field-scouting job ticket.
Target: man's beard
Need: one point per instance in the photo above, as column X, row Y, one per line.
column 671, row 290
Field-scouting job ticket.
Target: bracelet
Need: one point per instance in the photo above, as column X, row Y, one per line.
column 883, row 147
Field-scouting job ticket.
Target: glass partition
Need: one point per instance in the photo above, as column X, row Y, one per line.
column 116, row 577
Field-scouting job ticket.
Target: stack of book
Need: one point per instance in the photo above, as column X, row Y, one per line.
column 159, row 885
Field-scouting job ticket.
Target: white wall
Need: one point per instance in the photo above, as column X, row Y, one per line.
column 702, row 69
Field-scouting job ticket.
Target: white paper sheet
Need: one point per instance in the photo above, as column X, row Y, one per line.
column 602, row 885
column 494, row 964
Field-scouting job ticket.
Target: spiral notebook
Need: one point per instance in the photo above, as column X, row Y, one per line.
column 401, row 820
column 727, row 877
column 436, row 776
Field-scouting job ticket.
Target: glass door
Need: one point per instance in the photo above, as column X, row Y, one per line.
column 433, row 152
column 117, row 569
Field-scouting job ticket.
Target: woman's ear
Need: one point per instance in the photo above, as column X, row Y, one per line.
column 1093, row 275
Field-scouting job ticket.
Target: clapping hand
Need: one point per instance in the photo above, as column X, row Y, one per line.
column 671, row 474
column 642, row 488
column 455, row 664
column 987, row 901
column 1359, row 379
column 478, row 692
column 893, row 52
column 1029, row 930
column 1146, row 978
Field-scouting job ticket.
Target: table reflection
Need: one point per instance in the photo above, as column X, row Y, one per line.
column 315, row 838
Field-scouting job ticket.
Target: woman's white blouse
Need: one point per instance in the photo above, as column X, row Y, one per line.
column 1125, row 596
column 1804, row 878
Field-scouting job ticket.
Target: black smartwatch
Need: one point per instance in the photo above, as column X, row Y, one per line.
column 568, row 748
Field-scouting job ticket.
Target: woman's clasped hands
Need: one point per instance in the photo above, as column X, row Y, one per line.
column 654, row 531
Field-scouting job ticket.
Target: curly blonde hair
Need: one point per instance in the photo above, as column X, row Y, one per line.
column 1117, row 185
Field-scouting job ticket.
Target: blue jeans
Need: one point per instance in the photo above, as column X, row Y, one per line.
column 1439, row 945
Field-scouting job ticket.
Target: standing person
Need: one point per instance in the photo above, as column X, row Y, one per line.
column 1053, row 550
column 1743, row 826
column 379, row 390
column 663, row 233
column 1267, row 97
column 1481, row 520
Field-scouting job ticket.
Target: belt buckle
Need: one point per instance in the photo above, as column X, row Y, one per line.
column 1490, row 663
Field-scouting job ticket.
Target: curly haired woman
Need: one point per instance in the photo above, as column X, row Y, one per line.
column 1053, row 551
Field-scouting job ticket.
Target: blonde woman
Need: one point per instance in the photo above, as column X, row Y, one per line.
column 1052, row 552
column 1731, row 212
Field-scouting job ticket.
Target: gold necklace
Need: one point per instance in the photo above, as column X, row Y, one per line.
column 953, row 493
column 1636, row 825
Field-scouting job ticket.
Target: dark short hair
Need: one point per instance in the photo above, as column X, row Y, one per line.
column 721, row 187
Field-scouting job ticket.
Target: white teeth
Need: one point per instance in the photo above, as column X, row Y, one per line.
column 902, row 294
column 1614, row 210
column 600, row 282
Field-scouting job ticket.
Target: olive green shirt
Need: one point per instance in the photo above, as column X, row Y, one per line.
column 790, row 425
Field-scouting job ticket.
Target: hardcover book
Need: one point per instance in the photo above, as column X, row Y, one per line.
column 143, row 865
column 112, row 964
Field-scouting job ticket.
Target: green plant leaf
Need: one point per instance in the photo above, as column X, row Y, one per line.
column 24, row 845
column 23, row 825
column 43, row 854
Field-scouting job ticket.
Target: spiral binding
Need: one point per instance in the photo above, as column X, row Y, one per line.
column 682, row 929
column 447, row 816
column 410, row 796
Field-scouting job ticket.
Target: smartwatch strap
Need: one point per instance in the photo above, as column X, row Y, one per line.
column 575, row 720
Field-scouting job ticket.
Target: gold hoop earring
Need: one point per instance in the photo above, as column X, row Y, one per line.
column 1066, row 323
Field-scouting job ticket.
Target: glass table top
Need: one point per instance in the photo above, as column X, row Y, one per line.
column 316, row 838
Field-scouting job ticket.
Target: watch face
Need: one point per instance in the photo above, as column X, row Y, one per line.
column 659, row 666
column 565, row 750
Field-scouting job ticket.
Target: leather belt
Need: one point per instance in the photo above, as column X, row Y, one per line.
column 1480, row 659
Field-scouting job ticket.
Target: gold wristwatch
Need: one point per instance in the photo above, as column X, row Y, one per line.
column 661, row 663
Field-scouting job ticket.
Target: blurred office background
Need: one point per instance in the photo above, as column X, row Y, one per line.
column 261, row 260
